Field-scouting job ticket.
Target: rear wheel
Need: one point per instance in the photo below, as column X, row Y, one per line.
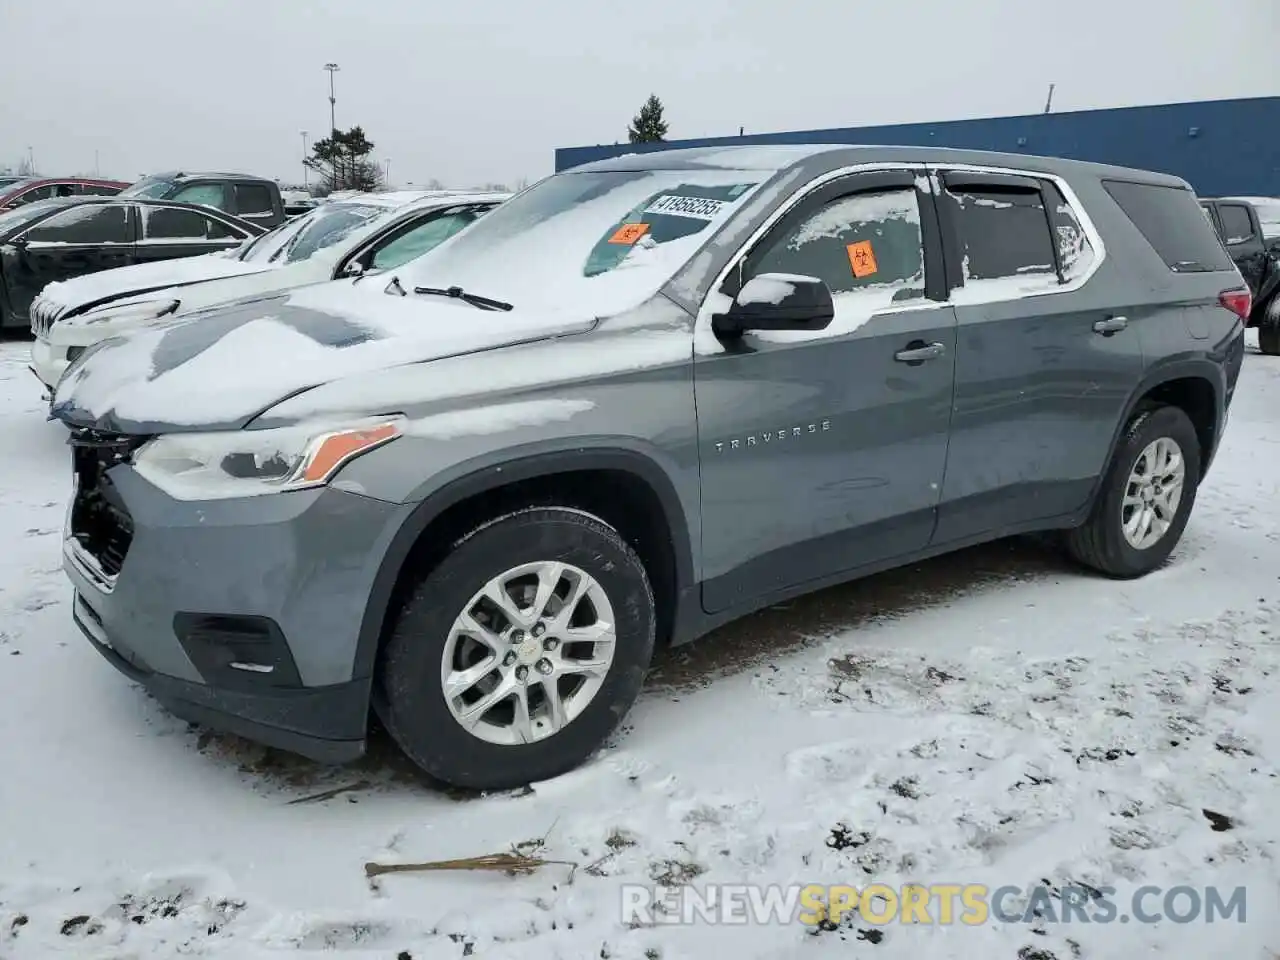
column 1145, row 499
column 1269, row 328
column 519, row 653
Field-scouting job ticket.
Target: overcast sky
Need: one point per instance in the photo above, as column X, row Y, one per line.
column 482, row 92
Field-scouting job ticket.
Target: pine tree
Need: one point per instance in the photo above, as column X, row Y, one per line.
column 648, row 126
column 343, row 162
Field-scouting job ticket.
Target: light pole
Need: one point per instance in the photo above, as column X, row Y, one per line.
column 388, row 171
column 333, row 122
column 305, row 185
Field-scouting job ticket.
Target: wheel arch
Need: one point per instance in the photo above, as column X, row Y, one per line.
column 536, row 478
column 1197, row 386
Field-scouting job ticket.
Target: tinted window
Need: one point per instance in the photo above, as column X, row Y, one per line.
column 253, row 198
column 852, row 243
column 1003, row 233
column 1236, row 225
column 98, row 190
column 426, row 236
column 168, row 223
column 1171, row 221
column 1075, row 253
column 208, row 194
column 31, row 196
column 92, row 223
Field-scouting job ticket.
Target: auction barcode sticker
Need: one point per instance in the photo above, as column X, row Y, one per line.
column 699, row 208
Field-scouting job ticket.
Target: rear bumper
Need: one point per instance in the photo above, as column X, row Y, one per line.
column 325, row 724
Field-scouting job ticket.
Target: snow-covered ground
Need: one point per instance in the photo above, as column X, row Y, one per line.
column 995, row 717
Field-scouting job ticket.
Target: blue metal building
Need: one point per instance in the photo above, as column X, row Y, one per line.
column 1222, row 147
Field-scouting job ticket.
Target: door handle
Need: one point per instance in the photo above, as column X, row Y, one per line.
column 917, row 352
column 1110, row 325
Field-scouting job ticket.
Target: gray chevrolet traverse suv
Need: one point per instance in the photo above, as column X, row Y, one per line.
column 642, row 398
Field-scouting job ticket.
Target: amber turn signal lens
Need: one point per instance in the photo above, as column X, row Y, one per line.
column 337, row 449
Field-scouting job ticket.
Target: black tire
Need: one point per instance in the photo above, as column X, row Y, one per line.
column 1269, row 328
column 1100, row 543
column 409, row 698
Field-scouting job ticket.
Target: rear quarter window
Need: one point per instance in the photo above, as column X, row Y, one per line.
column 1173, row 223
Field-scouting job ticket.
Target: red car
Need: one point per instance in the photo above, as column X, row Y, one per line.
column 30, row 189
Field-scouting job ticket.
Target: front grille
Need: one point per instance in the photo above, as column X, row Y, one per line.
column 100, row 522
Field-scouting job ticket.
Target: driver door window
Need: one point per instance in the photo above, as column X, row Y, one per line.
column 89, row 224
column 422, row 238
column 866, row 247
column 208, row 194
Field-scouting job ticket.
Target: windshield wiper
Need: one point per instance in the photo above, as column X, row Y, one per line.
column 457, row 293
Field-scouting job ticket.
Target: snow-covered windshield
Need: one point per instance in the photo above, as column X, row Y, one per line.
column 154, row 188
column 14, row 184
column 261, row 247
column 600, row 242
column 26, row 213
column 326, row 226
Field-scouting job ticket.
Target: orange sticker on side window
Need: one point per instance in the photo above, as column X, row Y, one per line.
column 629, row 233
column 862, row 258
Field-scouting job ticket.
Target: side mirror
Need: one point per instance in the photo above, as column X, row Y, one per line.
column 354, row 268
column 778, row 301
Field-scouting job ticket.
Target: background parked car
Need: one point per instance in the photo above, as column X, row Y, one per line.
column 30, row 189
column 52, row 240
column 1268, row 209
column 345, row 237
column 255, row 199
column 1240, row 228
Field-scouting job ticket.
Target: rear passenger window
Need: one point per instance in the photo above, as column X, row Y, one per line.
column 176, row 224
column 1172, row 222
column 1004, row 233
column 253, row 198
column 1236, row 225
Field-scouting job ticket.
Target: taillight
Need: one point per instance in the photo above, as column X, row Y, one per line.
column 1239, row 302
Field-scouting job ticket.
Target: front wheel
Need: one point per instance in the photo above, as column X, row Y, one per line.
column 1145, row 499
column 520, row 652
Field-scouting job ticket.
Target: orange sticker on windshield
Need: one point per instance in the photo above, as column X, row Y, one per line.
column 862, row 258
column 629, row 233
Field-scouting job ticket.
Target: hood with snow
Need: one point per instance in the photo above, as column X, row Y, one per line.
column 222, row 368
column 105, row 286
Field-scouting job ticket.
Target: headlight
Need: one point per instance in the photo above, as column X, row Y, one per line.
column 245, row 463
column 130, row 312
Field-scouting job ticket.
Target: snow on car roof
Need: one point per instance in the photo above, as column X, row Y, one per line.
column 394, row 199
